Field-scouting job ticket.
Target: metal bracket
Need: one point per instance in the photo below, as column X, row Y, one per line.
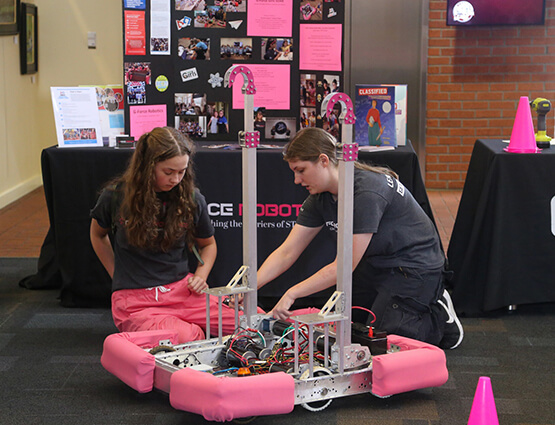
column 326, row 311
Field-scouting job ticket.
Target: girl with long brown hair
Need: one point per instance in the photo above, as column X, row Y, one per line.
column 143, row 228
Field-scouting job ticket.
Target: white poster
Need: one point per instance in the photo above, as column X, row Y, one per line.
column 76, row 116
column 160, row 27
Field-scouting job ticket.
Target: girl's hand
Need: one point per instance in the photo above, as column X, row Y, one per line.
column 197, row 284
column 281, row 309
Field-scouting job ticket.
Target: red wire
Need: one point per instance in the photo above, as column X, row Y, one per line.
column 367, row 310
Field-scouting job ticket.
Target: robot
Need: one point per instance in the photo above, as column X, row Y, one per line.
column 310, row 361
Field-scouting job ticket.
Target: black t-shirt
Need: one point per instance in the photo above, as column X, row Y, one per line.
column 140, row 268
column 403, row 235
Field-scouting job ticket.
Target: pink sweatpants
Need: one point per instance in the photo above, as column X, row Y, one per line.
column 171, row 306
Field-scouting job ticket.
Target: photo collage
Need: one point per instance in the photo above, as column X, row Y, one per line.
column 205, row 38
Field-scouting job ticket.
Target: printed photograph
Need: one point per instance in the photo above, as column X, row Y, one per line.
column 311, row 10
column 232, row 5
column 330, row 122
column 260, row 121
column 308, row 117
column 79, row 134
column 137, row 71
column 192, row 126
column 193, row 48
column 277, row 49
column 190, row 4
column 332, row 82
column 211, row 17
column 159, row 45
column 308, row 90
column 218, row 122
column 236, row 48
column 282, row 128
column 136, row 93
column 190, row 104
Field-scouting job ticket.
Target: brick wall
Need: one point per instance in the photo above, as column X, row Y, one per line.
column 476, row 77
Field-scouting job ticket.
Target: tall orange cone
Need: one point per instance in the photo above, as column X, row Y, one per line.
column 523, row 137
column 483, row 410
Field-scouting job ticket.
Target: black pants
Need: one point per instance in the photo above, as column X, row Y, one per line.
column 404, row 301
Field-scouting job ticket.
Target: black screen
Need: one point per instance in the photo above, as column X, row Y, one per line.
column 495, row 12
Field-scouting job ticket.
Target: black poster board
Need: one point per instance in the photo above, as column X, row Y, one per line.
column 158, row 77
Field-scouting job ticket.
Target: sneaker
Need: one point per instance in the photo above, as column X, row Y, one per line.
column 453, row 335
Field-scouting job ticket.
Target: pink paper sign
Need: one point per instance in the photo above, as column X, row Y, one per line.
column 320, row 47
column 270, row 18
column 272, row 84
column 144, row 118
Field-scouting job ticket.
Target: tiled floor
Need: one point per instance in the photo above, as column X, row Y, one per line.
column 23, row 226
column 445, row 204
column 24, row 223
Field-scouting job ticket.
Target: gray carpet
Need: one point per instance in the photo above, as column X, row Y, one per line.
column 50, row 370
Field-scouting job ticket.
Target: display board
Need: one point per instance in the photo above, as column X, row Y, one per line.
column 176, row 53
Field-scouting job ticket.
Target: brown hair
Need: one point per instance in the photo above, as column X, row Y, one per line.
column 309, row 143
column 141, row 209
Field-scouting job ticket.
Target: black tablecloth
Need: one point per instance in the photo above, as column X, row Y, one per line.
column 502, row 249
column 73, row 178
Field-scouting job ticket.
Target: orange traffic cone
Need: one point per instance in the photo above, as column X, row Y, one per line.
column 523, row 137
column 483, row 410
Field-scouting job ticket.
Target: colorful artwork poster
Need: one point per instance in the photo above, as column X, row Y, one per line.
column 135, row 4
column 320, row 47
column 135, row 37
column 375, row 115
column 268, row 94
column 144, row 118
column 270, row 18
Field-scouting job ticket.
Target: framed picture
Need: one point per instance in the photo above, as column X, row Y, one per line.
column 8, row 17
column 28, row 38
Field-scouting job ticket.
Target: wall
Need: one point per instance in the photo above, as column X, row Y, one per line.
column 26, row 118
column 475, row 79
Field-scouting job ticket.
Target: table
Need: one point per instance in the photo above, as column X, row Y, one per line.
column 73, row 177
column 502, row 248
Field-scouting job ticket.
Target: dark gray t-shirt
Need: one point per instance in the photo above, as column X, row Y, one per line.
column 403, row 235
column 140, row 268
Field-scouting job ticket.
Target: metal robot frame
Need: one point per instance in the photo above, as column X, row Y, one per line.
column 336, row 367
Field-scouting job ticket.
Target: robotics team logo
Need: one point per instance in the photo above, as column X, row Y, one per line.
column 463, row 12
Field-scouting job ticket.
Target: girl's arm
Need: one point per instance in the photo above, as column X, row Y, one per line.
column 102, row 246
column 322, row 279
column 208, row 250
column 288, row 252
